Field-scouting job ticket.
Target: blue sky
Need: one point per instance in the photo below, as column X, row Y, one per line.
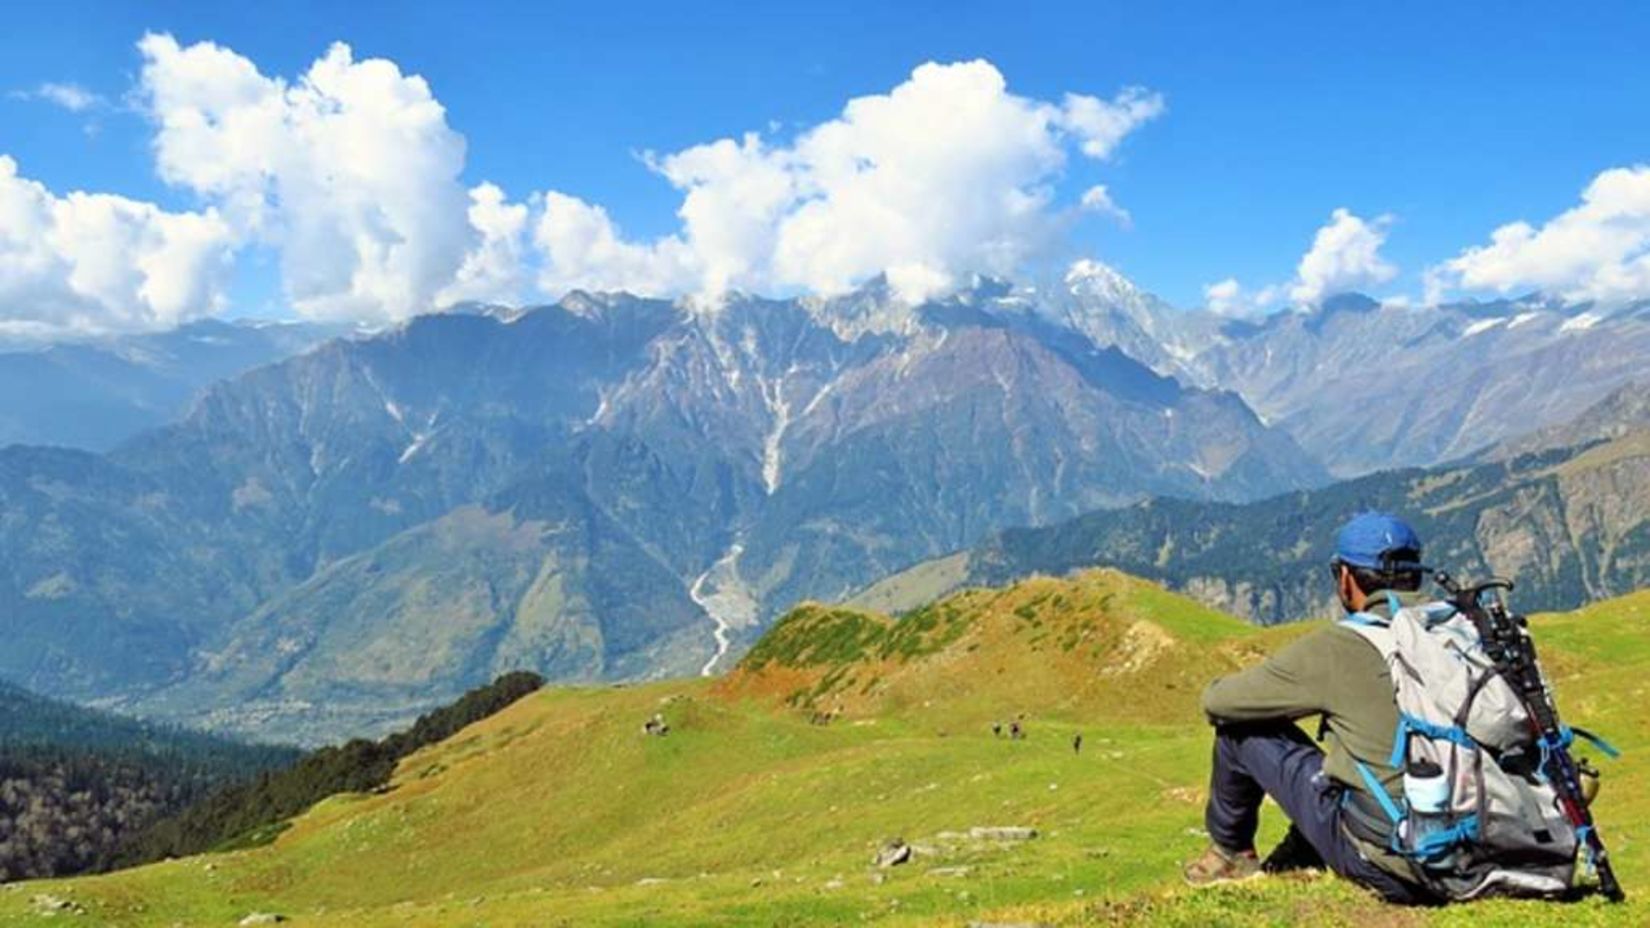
column 1449, row 119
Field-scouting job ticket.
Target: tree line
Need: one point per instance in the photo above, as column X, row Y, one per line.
column 254, row 811
column 86, row 792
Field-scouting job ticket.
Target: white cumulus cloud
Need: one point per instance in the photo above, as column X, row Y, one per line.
column 1345, row 255
column 1230, row 298
column 1596, row 250
column 1226, row 297
column 494, row 269
column 350, row 171
column 68, row 95
column 1097, row 199
column 584, row 251
column 1102, row 124
column 945, row 175
column 350, row 174
column 93, row 263
column 1222, row 295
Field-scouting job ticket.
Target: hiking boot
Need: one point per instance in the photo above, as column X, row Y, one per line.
column 1293, row 853
column 1218, row 865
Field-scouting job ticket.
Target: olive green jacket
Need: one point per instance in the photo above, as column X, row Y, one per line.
column 1334, row 674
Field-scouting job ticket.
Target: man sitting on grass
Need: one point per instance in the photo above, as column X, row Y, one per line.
column 1339, row 676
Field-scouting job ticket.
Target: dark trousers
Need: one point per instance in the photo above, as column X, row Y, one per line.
column 1276, row 759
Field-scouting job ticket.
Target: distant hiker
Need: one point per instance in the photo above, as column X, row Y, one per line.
column 1077, row 743
column 996, row 729
column 1394, row 800
column 1015, row 732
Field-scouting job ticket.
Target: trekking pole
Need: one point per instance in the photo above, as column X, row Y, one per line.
column 1507, row 641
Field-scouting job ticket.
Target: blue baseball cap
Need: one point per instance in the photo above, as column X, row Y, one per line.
column 1371, row 540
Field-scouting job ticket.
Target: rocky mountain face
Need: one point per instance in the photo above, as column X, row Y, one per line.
column 617, row 488
column 1364, row 386
column 96, row 394
column 1569, row 525
column 1624, row 411
column 607, row 488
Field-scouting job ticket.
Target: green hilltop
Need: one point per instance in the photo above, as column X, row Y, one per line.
column 776, row 785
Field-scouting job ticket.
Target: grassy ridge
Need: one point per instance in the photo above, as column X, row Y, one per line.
column 559, row 811
column 253, row 812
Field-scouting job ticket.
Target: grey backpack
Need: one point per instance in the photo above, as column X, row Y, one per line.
column 1477, row 817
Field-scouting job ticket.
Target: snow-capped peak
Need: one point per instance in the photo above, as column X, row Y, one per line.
column 1088, row 277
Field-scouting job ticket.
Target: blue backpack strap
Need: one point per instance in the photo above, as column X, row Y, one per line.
column 1414, row 725
column 1433, row 845
column 1400, row 744
column 1583, row 834
column 1376, row 789
column 1609, row 749
column 1436, row 843
column 1407, row 723
column 1565, row 737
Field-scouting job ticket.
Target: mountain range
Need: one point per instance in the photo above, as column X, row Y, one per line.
column 1366, row 386
column 94, row 394
column 610, row 487
column 618, row 488
column 1564, row 511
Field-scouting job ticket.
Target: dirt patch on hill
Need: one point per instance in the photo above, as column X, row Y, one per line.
column 1143, row 643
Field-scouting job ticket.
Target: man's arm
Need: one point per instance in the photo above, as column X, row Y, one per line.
column 1291, row 684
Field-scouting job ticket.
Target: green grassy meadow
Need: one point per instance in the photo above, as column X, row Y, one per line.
column 559, row 811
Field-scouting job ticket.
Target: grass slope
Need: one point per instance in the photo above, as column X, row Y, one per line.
column 559, row 811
